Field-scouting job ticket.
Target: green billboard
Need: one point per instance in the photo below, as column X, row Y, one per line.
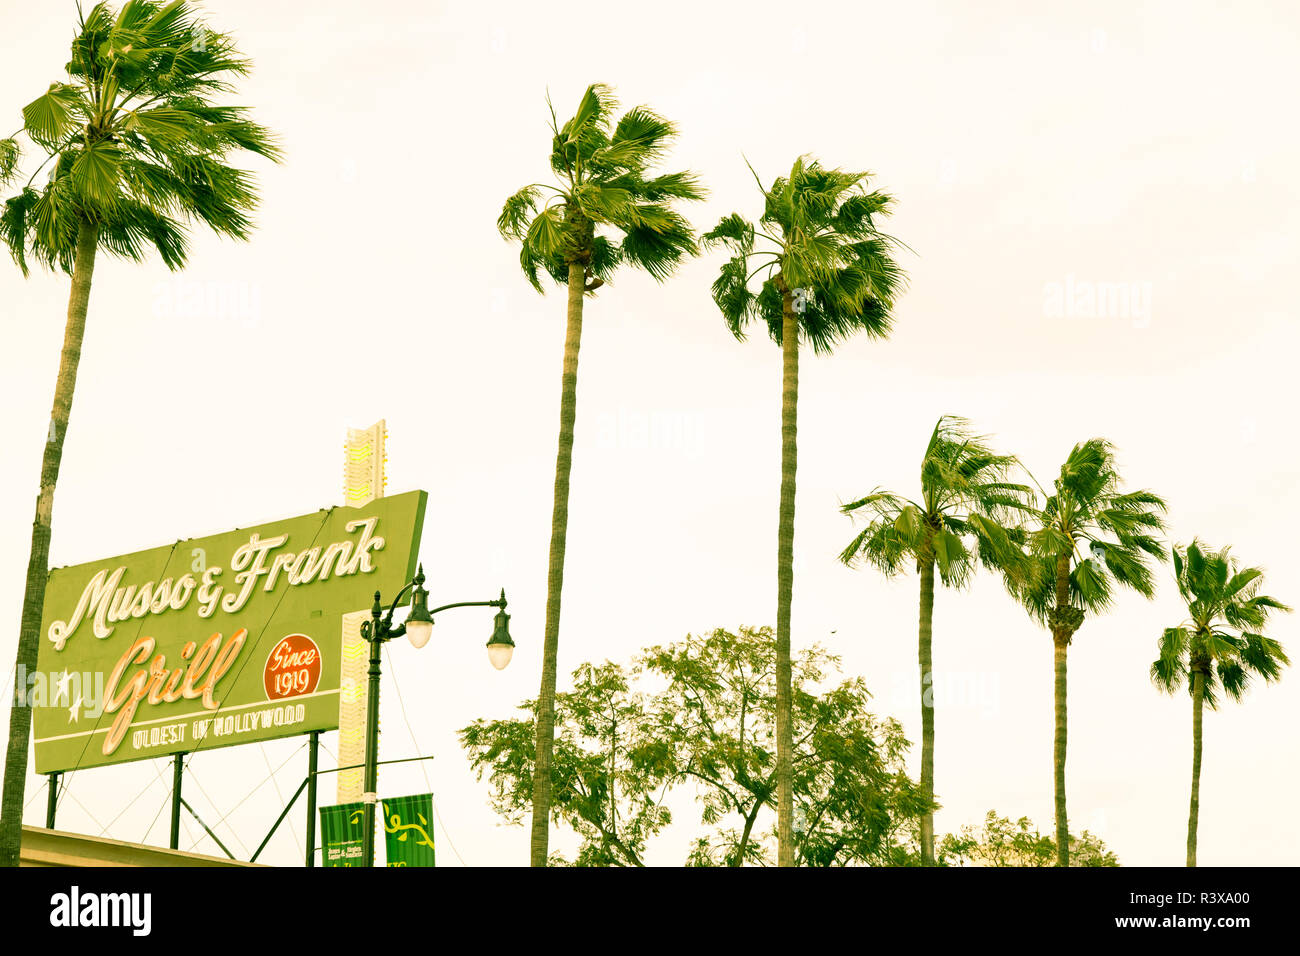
column 213, row 641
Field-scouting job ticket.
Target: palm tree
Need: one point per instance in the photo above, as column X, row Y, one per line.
column 135, row 151
column 1088, row 538
column 1219, row 646
column 827, row 274
column 966, row 501
column 603, row 182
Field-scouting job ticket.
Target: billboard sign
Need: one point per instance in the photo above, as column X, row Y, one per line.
column 214, row 641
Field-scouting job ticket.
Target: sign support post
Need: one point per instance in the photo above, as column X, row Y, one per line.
column 313, row 744
column 52, row 805
column 178, row 768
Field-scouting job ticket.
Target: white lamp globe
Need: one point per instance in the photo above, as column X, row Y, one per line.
column 500, row 654
column 419, row 632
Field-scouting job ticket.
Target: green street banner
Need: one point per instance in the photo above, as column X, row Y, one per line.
column 342, row 834
column 211, row 642
column 408, row 830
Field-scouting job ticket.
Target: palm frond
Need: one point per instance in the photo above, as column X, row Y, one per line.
column 880, row 545
column 134, row 144
column 732, row 296
column 957, row 521
column 54, row 114
column 1106, row 536
column 607, row 209
column 1170, row 669
column 824, row 241
column 659, row 249
column 10, row 153
column 1225, row 613
column 733, row 231
column 516, row 213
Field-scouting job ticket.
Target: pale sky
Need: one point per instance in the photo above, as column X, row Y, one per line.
column 1033, row 153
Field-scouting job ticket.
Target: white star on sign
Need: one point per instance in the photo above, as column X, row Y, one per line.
column 73, row 714
column 62, row 683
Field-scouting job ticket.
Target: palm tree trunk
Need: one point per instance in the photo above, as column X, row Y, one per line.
column 1194, row 813
column 20, row 716
column 1060, row 645
column 925, row 631
column 785, row 585
column 1058, row 759
column 539, row 845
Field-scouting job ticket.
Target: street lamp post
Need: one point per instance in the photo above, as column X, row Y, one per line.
column 417, row 627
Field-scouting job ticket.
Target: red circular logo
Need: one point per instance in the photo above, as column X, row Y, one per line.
column 292, row 668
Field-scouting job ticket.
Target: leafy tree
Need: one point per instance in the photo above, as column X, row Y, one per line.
column 1219, row 648
column 717, row 688
column 1003, row 843
column 707, row 722
column 135, row 149
column 609, row 772
column 828, row 273
column 1087, row 539
column 958, row 521
column 604, row 189
column 718, row 710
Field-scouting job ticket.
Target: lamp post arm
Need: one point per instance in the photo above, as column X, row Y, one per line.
column 388, row 618
column 501, row 602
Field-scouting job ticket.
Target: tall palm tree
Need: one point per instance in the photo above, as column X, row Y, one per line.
column 1087, row 539
column 958, row 522
column 827, row 273
column 603, row 183
column 1219, row 647
column 135, row 151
